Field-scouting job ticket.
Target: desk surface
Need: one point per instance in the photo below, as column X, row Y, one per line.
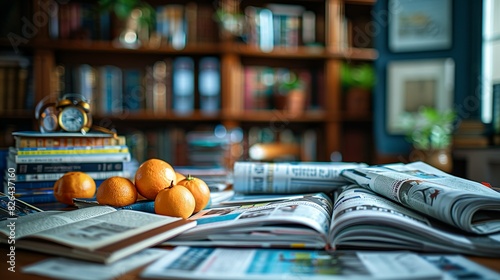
column 24, row 258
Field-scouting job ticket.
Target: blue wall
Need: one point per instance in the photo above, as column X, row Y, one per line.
column 465, row 51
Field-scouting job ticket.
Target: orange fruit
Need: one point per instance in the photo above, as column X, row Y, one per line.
column 175, row 201
column 198, row 189
column 152, row 176
column 179, row 177
column 116, row 191
column 74, row 184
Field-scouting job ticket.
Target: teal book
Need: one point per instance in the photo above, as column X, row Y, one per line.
column 141, row 205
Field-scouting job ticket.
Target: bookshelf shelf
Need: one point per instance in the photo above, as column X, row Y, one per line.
column 18, row 115
column 361, row 2
column 276, row 115
column 113, row 47
column 300, row 52
column 365, row 54
column 161, row 117
column 316, row 61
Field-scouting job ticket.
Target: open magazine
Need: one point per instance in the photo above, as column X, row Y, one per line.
column 261, row 264
column 359, row 219
column 100, row 234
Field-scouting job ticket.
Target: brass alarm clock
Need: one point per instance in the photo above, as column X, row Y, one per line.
column 71, row 113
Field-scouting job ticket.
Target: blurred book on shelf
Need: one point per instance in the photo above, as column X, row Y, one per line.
column 470, row 133
column 183, row 85
column 205, row 148
column 15, row 82
column 209, row 85
column 218, row 178
column 164, row 86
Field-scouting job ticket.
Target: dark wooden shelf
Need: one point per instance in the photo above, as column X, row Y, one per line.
column 361, row 2
column 278, row 115
column 357, row 117
column 357, row 54
column 244, row 116
column 115, row 47
column 160, row 117
column 300, row 52
column 18, row 115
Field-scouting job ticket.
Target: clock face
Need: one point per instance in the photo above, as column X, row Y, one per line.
column 49, row 123
column 72, row 119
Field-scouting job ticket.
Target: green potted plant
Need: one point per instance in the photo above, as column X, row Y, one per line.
column 138, row 19
column 430, row 132
column 357, row 83
column 290, row 94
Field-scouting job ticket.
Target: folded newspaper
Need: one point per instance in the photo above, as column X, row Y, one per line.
column 465, row 204
column 289, row 177
column 362, row 218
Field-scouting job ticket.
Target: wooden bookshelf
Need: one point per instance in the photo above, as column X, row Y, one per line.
column 322, row 59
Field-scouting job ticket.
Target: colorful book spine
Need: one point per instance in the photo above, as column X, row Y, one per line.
column 209, row 85
column 110, row 90
column 141, row 205
column 24, row 142
column 37, row 198
column 28, row 192
column 81, row 158
column 183, row 85
column 27, row 168
column 55, row 176
column 31, row 151
column 24, row 186
column 133, row 90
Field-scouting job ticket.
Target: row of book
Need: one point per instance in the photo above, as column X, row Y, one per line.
column 16, row 80
column 38, row 160
column 175, row 24
column 282, row 25
column 214, row 146
column 181, row 85
column 201, row 146
column 167, row 85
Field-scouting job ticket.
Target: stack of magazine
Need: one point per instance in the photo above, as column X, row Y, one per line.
column 391, row 207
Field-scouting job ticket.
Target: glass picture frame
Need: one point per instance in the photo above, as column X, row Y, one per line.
column 412, row 84
column 423, row 25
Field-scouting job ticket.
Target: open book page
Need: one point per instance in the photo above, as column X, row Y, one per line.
column 105, row 229
column 38, row 222
column 261, row 264
column 88, row 228
column 361, row 218
column 289, row 177
column 462, row 203
column 298, row 217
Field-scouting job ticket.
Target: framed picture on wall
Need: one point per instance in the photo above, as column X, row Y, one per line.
column 412, row 84
column 421, row 25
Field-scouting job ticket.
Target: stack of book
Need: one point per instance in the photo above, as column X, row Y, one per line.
column 205, row 148
column 470, row 133
column 37, row 160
